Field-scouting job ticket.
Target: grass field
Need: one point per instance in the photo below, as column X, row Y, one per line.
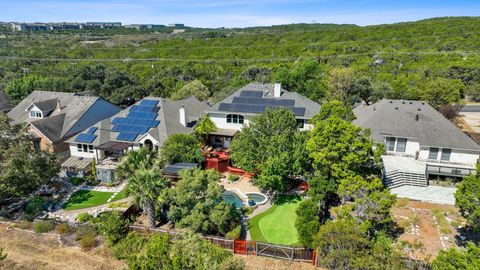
column 277, row 224
column 88, row 198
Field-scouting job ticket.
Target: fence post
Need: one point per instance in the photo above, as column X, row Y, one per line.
column 293, row 253
column 256, row 248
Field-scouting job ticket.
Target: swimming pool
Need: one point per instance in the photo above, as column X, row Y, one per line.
column 258, row 198
column 232, row 198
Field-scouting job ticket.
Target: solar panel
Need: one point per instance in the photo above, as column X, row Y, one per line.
column 264, row 101
column 255, row 108
column 125, row 136
column 85, row 138
column 250, row 93
column 142, row 115
column 135, row 122
column 131, row 129
column 91, row 130
column 149, row 102
column 137, row 108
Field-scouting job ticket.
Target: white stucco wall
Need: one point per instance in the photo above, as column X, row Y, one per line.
column 457, row 156
column 75, row 153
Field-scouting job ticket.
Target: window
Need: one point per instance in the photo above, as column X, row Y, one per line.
column 446, row 154
column 85, row 148
column 401, row 145
column 35, row 114
column 433, row 154
column 79, row 147
column 390, row 144
column 235, row 119
column 90, row 148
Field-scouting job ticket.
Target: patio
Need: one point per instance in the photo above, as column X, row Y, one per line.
column 431, row 194
column 242, row 184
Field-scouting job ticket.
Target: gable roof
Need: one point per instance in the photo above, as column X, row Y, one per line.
column 167, row 114
column 58, row 124
column 412, row 119
column 4, row 102
column 266, row 92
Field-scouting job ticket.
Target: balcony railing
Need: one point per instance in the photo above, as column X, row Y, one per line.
column 446, row 170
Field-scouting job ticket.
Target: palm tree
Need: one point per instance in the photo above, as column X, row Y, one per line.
column 146, row 187
column 143, row 158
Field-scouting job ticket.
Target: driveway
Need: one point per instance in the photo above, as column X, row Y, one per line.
column 431, row 194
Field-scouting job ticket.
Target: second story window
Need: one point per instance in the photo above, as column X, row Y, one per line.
column 300, row 123
column 35, row 114
column 446, row 154
column 390, row 144
column 393, row 144
column 235, row 119
column 433, row 154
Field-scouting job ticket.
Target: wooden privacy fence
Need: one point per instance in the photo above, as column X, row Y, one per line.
column 245, row 247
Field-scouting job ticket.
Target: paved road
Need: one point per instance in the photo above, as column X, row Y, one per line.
column 471, row 108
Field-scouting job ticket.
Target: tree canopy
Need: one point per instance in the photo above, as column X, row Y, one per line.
column 467, row 199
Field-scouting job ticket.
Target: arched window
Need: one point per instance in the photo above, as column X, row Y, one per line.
column 235, row 119
column 149, row 144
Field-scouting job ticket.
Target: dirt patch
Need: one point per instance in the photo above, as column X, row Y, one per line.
column 434, row 225
column 265, row 263
column 35, row 251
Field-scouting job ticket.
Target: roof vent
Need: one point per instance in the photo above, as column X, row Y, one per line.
column 403, row 102
column 396, row 108
column 183, row 115
column 419, row 109
column 277, row 90
column 410, row 102
column 417, row 117
column 391, row 102
column 423, row 103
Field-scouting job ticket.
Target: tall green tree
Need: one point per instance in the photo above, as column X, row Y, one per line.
column 442, row 91
column 146, row 186
column 204, row 128
column 456, row 258
column 305, row 77
column 181, row 148
column 307, row 222
column 467, row 199
column 142, row 158
column 341, row 83
column 194, row 88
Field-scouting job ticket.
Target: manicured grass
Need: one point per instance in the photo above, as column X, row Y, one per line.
column 277, row 224
column 87, row 198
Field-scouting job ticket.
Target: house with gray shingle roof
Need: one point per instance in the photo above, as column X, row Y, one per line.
column 149, row 122
column 54, row 117
column 230, row 114
column 420, row 142
column 5, row 105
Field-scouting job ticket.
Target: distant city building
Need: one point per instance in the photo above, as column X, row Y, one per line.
column 145, row 26
column 103, row 24
column 177, row 25
column 46, row 26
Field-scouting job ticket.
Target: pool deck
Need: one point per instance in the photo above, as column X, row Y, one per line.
column 244, row 185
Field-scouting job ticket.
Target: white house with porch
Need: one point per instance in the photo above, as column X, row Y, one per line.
column 420, row 143
column 230, row 114
column 149, row 123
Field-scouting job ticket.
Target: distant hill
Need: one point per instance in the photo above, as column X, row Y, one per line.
column 399, row 58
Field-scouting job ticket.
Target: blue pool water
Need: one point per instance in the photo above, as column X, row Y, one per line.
column 232, row 198
column 257, row 198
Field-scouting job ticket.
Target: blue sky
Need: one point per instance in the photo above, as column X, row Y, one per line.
column 234, row 13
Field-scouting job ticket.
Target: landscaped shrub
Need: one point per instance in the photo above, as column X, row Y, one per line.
column 34, row 207
column 23, row 225
column 63, row 228
column 132, row 244
column 84, row 217
column 88, row 241
column 113, row 226
column 235, row 233
column 76, row 181
column 43, row 226
column 247, row 210
column 84, row 230
column 232, row 177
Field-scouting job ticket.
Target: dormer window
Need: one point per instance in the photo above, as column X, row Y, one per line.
column 35, row 114
column 235, row 119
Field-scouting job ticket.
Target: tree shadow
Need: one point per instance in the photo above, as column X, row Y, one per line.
column 465, row 235
column 79, row 197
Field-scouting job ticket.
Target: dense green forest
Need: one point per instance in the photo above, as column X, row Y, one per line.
column 403, row 60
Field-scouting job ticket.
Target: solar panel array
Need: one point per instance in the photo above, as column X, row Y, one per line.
column 252, row 102
column 139, row 120
column 85, row 138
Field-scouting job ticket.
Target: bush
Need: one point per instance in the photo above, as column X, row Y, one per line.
column 63, row 228
column 247, row 210
column 43, row 226
column 76, row 181
column 113, row 226
column 235, row 233
column 88, row 241
column 233, row 177
column 82, row 231
column 132, row 244
column 23, row 225
column 34, row 207
column 84, row 217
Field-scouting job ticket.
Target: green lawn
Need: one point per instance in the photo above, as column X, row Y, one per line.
column 277, row 224
column 87, row 198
